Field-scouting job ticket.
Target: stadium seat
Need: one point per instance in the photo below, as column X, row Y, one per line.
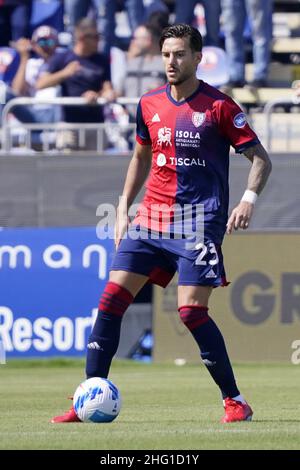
column 213, row 68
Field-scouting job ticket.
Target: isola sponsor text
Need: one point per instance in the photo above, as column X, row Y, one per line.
column 188, row 134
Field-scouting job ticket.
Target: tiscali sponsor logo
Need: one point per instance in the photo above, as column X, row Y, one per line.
column 181, row 161
column 162, row 160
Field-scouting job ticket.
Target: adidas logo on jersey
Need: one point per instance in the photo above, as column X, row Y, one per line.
column 156, row 118
column 210, row 274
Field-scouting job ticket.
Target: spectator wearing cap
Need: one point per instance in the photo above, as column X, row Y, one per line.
column 34, row 54
column 43, row 45
column 81, row 72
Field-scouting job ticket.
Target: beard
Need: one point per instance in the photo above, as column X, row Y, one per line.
column 176, row 81
column 180, row 79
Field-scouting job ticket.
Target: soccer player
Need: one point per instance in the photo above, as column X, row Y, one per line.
column 184, row 132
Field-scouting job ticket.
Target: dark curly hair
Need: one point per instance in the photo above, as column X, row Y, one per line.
column 182, row 30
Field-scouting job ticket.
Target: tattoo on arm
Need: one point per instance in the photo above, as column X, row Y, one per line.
column 261, row 167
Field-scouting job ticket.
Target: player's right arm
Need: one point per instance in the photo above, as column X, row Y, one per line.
column 137, row 173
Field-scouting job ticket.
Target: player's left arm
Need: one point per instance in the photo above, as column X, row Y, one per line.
column 260, row 170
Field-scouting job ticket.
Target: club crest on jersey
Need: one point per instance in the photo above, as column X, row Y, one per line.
column 198, row 119
column 240, row 120
column 164, row 136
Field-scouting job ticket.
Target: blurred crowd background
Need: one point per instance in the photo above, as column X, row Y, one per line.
column 110, row 49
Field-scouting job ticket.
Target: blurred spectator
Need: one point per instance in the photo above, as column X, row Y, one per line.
column 139, row 72
column 14, row 20
column 82, row 71
column 105, row 13
column 142, row 72
column 158, row 19
column 156, row 8
column 184, row 10
column 34, row 55
column 145, row 69
column 43, row 44
column 234, row 14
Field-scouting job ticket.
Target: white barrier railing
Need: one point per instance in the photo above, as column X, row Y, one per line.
column 268, row 110
column 60, row 126
column 99, row 128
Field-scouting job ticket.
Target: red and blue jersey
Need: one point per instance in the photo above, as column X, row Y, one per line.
column 190, row 143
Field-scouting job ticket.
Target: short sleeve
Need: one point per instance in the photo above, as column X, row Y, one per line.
column 142, row 132
column 56, row 63
column 233, row 125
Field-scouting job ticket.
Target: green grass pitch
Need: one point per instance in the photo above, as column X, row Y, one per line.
column 164, row 407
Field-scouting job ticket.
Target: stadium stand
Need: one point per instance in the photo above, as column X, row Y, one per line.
column 278, row 98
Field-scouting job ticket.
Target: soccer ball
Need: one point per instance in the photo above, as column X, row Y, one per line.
column 97, row 400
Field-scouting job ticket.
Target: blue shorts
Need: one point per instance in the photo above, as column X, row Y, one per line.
column 160, row 258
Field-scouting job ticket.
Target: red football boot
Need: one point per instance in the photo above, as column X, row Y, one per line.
column 236, row 411
column 68, row 417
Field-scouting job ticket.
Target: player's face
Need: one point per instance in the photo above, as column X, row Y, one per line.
column 179, row 59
